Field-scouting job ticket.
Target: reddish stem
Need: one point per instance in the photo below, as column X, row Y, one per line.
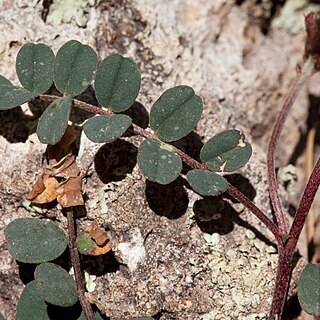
column 234, row 192
column 305, row 205
column 192, row 163
column 273, row 185
column 287, row 248
column 282, row 282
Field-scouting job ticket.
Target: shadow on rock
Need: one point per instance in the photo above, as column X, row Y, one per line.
column 100, row 265
column 242, row 184
column 169, row 200
column 26, row 270
column 115, row 160
column 191, row 145
column 214, row 215
column 139, row 115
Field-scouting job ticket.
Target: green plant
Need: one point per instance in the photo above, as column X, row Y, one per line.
column 173, row 116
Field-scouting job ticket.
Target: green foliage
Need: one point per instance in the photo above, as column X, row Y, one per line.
column 35, row 67
column 54, row 121
column 226, row 151
column 175, row 113
column 106, row 128
column 4, row 81
column 117, row 83
column 34, row 241
column 74, row 67
column 309, row 289
column 30, row 306
column 85, row 244
column 12, row 96
column 55, row 285
column 207, row 183
column 158, row 161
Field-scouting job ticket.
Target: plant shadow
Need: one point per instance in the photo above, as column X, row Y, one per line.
column 26, row 270
column 139, row 115
column 69, row 313
column 216, row 214
column 170, row 201
column 115, row 160
column 100, row 265
column 191, row 145
column 312, row 122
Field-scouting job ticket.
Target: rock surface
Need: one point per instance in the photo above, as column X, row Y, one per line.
column 172, row 257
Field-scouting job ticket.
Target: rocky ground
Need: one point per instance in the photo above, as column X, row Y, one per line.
column 169, row 259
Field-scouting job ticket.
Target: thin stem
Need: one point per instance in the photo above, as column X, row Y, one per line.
column 287, row 249
column 305, row 204
column 282, row 283
column 273, row 185
column 75, row 260
column 192, row 163
column 235, row 193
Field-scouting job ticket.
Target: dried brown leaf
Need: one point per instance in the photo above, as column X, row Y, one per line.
column 100, row 237
column 97, row 234
column 44, row 190
column 69, row 192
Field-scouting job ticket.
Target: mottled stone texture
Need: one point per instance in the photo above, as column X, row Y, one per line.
column 164, row 260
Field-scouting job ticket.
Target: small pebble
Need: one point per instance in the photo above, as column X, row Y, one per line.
column 215, row 239
column 231, row 254
column 250, row 235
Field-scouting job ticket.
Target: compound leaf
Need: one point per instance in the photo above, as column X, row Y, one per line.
column 158, row 161
column 106, row 128
column 11, row 96
column 74, row 67
column 309, row 289
column 175, row 113
column 207, row 183
column 30, row 305
column 35, row 67
column 55, row 285
column 117, row 83
column 226, row 151
column 35, row 241
column 54, row 120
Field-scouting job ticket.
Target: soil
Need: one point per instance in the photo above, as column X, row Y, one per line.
column 172, row 258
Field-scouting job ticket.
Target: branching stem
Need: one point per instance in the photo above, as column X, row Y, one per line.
column 273, row 185
column 286, row 242
column 192, row 163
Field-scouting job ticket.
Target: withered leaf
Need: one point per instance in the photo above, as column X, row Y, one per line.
column 44, row 190
column 97, row 234
column 98, row 251
column 65, row 168
column 62, row 164
column 100, row 237
column 87, row 245
column 69, row 192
